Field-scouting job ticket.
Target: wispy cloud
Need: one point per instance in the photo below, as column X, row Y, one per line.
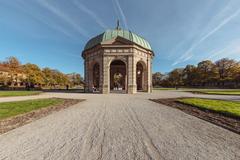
column 183, row 59
column 120, row 11
column 231, row 49
column 191, row 31
column 64, row 17
column 90, row 13
column 29, row 9
column 189, row 52
column 224, row 21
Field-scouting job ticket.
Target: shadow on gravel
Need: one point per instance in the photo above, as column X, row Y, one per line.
column 222, row 120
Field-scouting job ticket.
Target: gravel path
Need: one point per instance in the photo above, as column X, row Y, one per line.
column 119, row 127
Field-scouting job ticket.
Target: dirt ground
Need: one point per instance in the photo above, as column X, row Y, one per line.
column 119, row 126
column 20, row 120
column 225, row 121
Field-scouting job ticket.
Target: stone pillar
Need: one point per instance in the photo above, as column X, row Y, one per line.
column 106, row 76
column 86, row 75
column 131, row 71
column 90, row 75
column 151, row 85
column 149, row 74
column 101, row 75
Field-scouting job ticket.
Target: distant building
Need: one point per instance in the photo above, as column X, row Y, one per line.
column 75, row 79
column 118, row 61
column 5, row 77
column 3, row 70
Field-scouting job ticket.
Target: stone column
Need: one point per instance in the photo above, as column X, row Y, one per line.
column 90, row 75
column 106, row 76
column 149, row 73
column 132, row 86
column 86, row 78
column 101, row 74
column 151, row 85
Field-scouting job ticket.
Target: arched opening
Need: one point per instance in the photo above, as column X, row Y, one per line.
column 141, row 76
column 117, row 76
column 96, row 76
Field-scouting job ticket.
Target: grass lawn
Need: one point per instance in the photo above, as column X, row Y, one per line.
column 9, row 109
column 164, row 88
column 222, row 92
column 173, row 88
column 18, row 93
column 220, row 106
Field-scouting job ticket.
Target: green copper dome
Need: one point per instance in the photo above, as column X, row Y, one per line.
column 111, row 34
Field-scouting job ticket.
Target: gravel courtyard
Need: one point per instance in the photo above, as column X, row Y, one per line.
column 119, row 126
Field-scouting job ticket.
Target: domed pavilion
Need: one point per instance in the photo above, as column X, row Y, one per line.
column 118, row 61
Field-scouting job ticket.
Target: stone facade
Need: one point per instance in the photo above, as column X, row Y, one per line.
column 6, row 76
column 136, row 60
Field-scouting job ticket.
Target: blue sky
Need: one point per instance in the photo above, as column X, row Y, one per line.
column 53, row 33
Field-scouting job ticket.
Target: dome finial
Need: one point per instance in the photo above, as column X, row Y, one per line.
column 118, row 25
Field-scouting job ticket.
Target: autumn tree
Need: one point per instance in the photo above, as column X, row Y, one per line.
column 207, row 72
column 59, row 77
column 48, row 77
column 237, row 75
column 227, row 70
column 3, row 74
column 190, row 75
column 4, row 79
column 176, row 77
column 53, row 77
column 157, row 78
column 75, row 78
column 78, row 79
column 14, row 67
column 33, row 73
